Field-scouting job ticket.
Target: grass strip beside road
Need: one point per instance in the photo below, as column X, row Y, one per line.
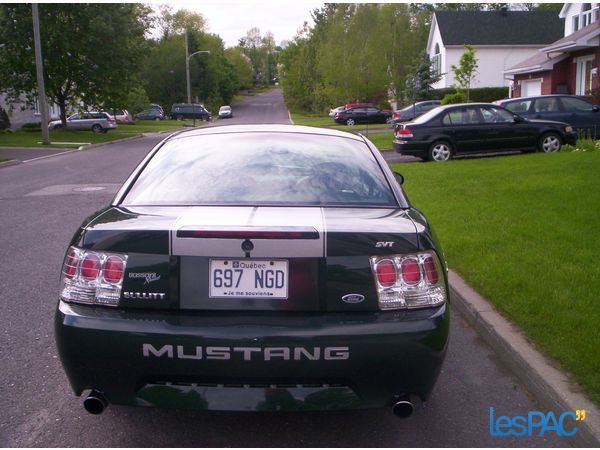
column 33, row 138
column 523, row 231
column 383, row 141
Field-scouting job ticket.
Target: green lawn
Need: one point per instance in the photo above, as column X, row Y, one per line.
column 383, row 141
column 33, row 138
column 523, row 231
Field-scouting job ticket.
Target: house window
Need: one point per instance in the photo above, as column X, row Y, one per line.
column 587, row 16
column 585, row 65
column 436, row 61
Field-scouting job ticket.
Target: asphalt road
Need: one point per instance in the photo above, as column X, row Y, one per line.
column 42, row 204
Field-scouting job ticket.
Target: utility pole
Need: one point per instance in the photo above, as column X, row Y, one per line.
column 187, row 69
column 39, row 69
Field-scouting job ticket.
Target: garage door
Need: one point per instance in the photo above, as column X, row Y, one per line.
column 530, row 88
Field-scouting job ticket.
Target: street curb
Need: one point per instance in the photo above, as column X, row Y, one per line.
column 550, row 386
column 12, row 162
column 100, row 144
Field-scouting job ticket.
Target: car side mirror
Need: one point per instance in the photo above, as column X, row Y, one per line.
column 518, row 119
column 595, row 108
column 399, row 178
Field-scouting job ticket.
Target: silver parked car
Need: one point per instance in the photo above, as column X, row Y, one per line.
column 98, row 122
column 225, row 112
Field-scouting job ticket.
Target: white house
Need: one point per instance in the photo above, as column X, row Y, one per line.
column 501, row 38
column 20, row 112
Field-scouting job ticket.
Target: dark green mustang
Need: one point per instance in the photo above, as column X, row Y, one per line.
column 266, row 267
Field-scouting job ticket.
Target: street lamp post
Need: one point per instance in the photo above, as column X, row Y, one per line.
column 187, row 74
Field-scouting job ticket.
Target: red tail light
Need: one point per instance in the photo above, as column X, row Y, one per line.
column 411, row 272
column 409, row 281
column 386, row 272
column 90, row 266
column 71, row 262
column 92, row 277
column 113, row 269
column 404, row 133
column 431, row 273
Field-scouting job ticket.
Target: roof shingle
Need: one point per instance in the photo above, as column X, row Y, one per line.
column 499, row 28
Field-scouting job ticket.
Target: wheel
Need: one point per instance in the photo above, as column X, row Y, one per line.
column 550, row 143
column 96, row 128
column 157, row 118
column 57, row 127
column 388, row 120
column 350, row 122
column 440, row 151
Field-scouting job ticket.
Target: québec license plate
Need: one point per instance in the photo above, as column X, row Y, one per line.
column 243, row 278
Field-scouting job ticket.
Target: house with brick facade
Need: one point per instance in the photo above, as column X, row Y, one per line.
column 568, row 65
column 501, row 39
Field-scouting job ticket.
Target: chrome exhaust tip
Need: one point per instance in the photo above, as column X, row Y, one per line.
column 95, row 403
column 403, row 407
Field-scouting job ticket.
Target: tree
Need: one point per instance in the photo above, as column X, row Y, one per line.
column 178, row 22
column 466, row 71
column 241, row 65
column 422, row 77
column 90, row 51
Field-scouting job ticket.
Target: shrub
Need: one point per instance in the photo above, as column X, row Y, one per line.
column 4, row 121
column 486, row 95
column 449, row 99
column 32, row 126
column 583, row 145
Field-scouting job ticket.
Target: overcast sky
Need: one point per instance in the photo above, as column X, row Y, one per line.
column 231, row 19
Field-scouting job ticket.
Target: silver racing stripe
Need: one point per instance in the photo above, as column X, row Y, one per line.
column 249, row 218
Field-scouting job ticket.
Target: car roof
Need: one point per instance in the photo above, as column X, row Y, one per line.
column 532, row 97
column 270, row 128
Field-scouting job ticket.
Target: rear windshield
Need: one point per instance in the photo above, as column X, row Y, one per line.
column 262, row 169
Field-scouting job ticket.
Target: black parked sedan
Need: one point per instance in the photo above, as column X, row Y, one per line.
column 578, row 112
column 451, row 130
column 255, row 268
column 362, row 114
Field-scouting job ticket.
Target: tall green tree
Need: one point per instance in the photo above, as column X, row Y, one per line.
column 213, row 77
column 90, row 51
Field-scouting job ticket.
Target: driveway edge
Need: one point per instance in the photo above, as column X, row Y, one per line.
column 550, row 386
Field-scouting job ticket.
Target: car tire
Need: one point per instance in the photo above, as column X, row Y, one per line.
column 350, row 122
column 440, row 151
column 157, row 118
column 57, row 127
column 388, row 120
column 96, row 128
column 550, row 143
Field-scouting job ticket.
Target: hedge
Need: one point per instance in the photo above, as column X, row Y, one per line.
column 487, row 94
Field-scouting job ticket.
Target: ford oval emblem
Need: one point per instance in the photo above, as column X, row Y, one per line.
column 353, row 298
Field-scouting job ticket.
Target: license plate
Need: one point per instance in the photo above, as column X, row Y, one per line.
column 243, row 278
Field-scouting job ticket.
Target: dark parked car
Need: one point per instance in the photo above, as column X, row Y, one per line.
column 362, row 114
column 263, row 267
column 576, row 111
column 452, row 130
column 181, row 111
column 413, row 111
column 150, row 114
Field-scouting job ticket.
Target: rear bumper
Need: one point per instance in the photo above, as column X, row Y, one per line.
column 249, row 361
column 411, row 148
